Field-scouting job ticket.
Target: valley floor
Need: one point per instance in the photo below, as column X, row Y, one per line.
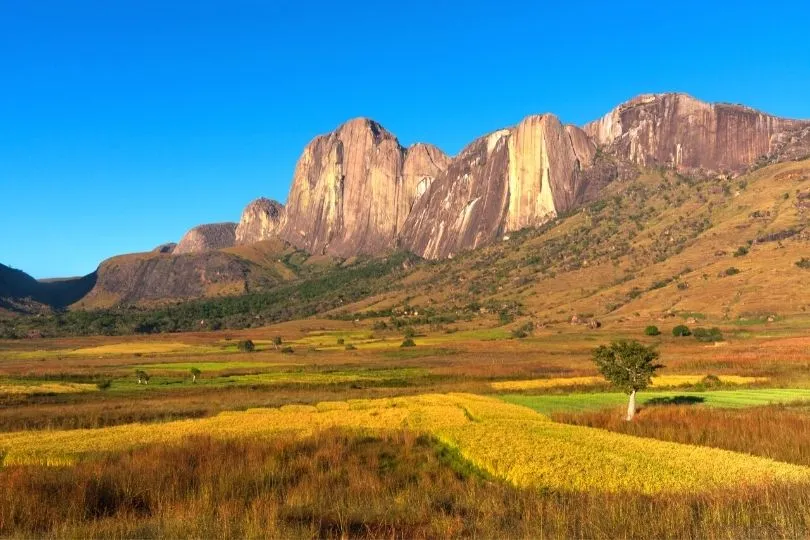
column 340, row 431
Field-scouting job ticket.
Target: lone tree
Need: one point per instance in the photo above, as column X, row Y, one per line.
column 276, row 342
column 195, row 372
column 628, row 365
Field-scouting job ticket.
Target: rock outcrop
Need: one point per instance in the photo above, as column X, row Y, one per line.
column 351, row 190
column 260, row 220
column 423, row 163
column 679, row 131
column 166, row 249
column 505, row 181
column 152, row 277
column 206, row 238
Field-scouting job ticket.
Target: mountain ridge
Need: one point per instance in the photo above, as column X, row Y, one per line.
column 357, row 191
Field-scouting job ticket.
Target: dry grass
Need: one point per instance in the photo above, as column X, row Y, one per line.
column 781, row 433
column 662, row 381
column 46, row 388
column 338, row 484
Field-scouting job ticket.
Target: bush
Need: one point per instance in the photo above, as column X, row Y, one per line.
column 350, row 347
column 409, row 333
column 708, row 335
column 246, row 345
column 380, row 325
column 804, row 263
column 652, row 330
column 523, row 331
column 741, row 251
column 287, row 350
column 341, row 341
column 104, row 385
column 681, row 331
column 408, row 343
column 731, row 271
column 711, row 381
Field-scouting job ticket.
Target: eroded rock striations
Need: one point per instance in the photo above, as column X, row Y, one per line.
column 505, row 181
column 677, row 130
column 353, row 188
column 206, row 238
column 260, row 220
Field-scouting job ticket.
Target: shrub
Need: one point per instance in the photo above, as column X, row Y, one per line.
column 350, row 347
column 652, row 330
column 380, row 325
column 708, row 335
column 341, row 341
column 804, row 263
column 409, row 332
column 711, row 381
column 287, row 350
column 731, row 271
column 523, row 331
column 246, row 345
column 408, row 343
column 681, row 331
column 104, row 385
column 741, row 251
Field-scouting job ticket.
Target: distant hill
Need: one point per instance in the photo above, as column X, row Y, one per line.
column 20, row 292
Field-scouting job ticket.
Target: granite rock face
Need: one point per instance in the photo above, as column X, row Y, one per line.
column 352, row 189
column 260, row 220
column 505, row 181
column 679, row 131
column 206, row 238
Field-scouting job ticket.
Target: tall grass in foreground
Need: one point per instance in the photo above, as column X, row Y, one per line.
column 341, row 484
column 778, row 432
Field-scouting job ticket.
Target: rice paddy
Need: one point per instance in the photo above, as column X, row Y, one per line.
column 509, row 441
column 733, row 399
column 493, row 405
column 661, row 381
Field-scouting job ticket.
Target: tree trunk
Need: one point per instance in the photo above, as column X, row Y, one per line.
column 631, row 406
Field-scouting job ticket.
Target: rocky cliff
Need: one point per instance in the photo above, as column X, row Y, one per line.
column 352, row 190
column 207, row 237
column 261, row 220
column 677, row 130
column 505, row 181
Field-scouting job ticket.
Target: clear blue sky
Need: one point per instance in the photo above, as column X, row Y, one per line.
column 123, row 123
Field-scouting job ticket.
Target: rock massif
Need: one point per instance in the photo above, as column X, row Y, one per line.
column 206, row 238
column 505, row 181
column 353, row 188
column 677, row 130
column 260, row 220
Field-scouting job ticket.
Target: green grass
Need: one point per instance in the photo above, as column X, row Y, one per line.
column 207, row 366
column 547, row 404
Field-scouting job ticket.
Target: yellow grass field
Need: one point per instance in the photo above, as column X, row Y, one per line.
column 47, row 388
column 508, row 441
column 662, row 381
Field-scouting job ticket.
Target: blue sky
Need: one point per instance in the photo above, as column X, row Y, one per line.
column 124, row 123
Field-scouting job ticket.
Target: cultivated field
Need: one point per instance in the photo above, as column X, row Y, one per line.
column 339, row 430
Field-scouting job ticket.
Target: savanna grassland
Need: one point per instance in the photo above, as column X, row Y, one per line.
column 403, row 398
column 338, row 430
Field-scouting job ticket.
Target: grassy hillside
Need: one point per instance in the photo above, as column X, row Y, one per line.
column 661, row 247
